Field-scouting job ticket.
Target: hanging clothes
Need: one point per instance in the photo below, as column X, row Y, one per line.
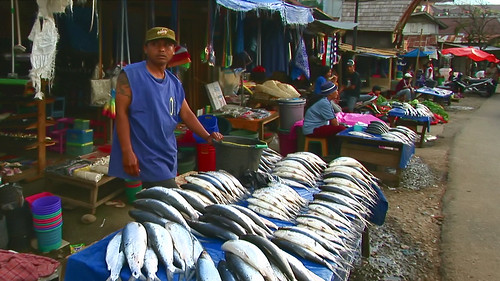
column 43, row 54
column 273, row 49
column 301, row 62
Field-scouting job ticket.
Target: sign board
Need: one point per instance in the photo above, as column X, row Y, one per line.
column 215, row 95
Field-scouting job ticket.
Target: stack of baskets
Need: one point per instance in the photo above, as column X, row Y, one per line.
column 47, row 222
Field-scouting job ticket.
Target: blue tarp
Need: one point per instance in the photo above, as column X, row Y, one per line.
column 290, row 14
column 417, row 52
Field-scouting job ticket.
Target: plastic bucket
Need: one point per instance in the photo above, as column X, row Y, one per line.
column 47, row 225
column 209, row 122
column 49, row 240
column 237, row 155
column 245, row 134
column 206, row 157
column 46, row 205
column 287, row 142
column 224, row 125
column 131, row 189
column 47, row 216
column 291, row 111
column 48, row 220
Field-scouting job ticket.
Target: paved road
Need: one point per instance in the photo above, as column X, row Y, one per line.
column 471, row 205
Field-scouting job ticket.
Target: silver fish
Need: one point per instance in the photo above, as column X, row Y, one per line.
column 252, row 255
column 183, row 243
column 115, row 258
column 134, row 244
column 242, row 270
column 171, row 197
column 151, row 265
column 161, row 242
column 205, row 268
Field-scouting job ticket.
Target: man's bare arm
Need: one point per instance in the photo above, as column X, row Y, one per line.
column 123, row 101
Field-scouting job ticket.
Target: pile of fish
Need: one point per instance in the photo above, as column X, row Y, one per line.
column 299, row 169
column 377, row 128
column 143, row 246
column 420, row 110
column 268, row 159
column 278, row 201
column 400, row 134
column 325, row 230
column 228, row 222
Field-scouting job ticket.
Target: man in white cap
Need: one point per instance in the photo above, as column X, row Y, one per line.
column 404, row 90
column 150, row 101
column 351, row 86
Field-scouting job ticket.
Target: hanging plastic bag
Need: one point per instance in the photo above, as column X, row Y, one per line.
column 44, row 36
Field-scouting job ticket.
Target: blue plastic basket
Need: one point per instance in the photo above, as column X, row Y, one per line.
column 209, row 122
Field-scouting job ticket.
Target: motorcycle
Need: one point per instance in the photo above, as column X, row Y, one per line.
column 485, row 87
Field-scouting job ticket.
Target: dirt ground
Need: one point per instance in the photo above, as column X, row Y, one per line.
column 407, row 246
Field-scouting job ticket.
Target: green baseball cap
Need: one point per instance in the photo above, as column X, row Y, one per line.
column 160, row 33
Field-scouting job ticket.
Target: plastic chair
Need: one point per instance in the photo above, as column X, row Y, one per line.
column 322, row 141
column 57, row 133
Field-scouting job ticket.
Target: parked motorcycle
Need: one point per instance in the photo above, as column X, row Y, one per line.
column 485, row 87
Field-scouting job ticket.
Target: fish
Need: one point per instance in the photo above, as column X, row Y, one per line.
column 221, row 198
column 306, row 242
column 161, row 242
column 224, row 272
column 194, row 199
column 200, row 189
column 115, row 257
column 273, row 253
column 205, row 268
column 258, row 220
column 252, row 255
column 301, row 272
column 171, row 197
column 146, row 216
column 233, row 214
column 183, row 243
column 242, row 270
column 267, row 213
column 212, row 230
column 278, row 209
column 134, row 244
column 327, row 244
column 162, row 209
column 224, row 222
column 151, row 265
column 216, row 182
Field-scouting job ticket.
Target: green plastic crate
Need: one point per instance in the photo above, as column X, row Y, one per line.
column 77, row 149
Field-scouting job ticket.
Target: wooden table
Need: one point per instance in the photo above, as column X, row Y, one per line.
column 378, row 155
column 255, row 125
column 73, row 190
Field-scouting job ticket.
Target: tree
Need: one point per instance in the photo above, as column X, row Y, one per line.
column 473, row 21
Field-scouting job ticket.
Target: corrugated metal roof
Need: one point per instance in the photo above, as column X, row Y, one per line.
column 386, row 53
column 376, row 15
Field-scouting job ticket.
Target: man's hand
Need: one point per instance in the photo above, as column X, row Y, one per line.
column 131, row 164
column 214, row 136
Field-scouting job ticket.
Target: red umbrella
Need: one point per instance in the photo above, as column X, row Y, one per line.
column 473, row 53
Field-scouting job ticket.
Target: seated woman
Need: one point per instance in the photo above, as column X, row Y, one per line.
column 320, row 120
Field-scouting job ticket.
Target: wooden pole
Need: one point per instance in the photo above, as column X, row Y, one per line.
column 418, row 53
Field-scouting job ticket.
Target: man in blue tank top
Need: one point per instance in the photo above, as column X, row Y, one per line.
column 150, row 101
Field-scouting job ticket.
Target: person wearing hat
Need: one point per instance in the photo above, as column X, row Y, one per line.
column 319, row 119
column 150, row 101
column 351, row 86
column 404, row 90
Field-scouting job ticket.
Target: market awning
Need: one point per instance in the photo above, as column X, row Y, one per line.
column 291, row 14
column 417, row 53
column 472, row 53
column 339, row 24
column 381, row 53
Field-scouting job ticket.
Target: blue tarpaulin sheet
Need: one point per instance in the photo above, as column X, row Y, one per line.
column 416, row 52
column 398, row 112
column 290, row 14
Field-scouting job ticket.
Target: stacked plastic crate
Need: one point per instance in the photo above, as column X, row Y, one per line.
column 80, row 139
